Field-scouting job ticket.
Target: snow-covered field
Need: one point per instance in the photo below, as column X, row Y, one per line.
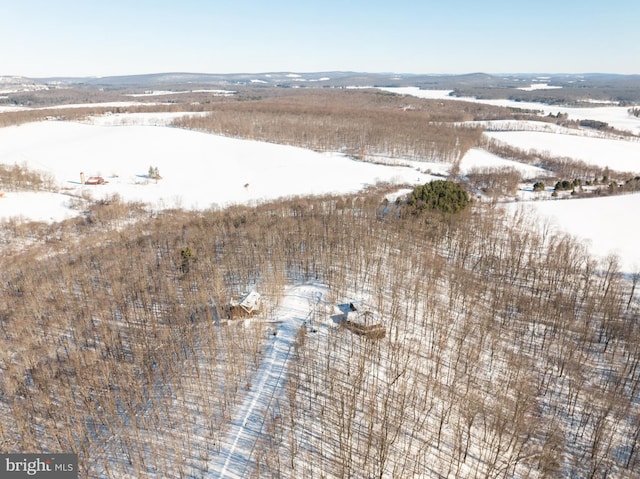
column 619, row 155
column 606, row 224
column 169, row 92
column 37, row 206
column 200, row 171
column 615, row 116
column 539, row 86
column 478, row 158
column 139, row 119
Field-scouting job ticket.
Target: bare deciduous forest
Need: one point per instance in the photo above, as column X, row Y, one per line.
column 509, row 351
column 358, row 123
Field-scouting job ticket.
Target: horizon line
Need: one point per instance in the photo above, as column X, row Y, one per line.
column 269, row 72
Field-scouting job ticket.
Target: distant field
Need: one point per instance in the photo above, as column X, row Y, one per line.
column 618, row 155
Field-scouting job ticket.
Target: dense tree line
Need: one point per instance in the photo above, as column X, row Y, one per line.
column 569, row 94
column 360, row 123
column 20, row 178
column 595, row 124
column 496, row 182
column 560, row 167
column 20, row 117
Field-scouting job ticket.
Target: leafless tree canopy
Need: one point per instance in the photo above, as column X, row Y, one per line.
column 359, row 123
column 509, row 352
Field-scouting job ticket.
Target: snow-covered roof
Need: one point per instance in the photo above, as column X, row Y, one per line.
column 249, row 302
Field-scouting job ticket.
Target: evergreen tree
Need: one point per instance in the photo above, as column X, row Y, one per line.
column 154, row 173
column 440, row 195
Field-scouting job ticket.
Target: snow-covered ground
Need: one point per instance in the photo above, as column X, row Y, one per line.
column 607, row 225
column 236, row 456
column 477, row 158
column 616, row 116
column 38, row 206
column 198, row 170
column 419, row 93
column 169, row 92
column 139, row 119
column 539, row 86
column 542, row 127
column 109, row 104
column 618, row 155
column 10, row 108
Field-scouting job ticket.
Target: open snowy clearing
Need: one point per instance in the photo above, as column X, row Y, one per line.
column 139, row 119
column 109, row 104
column 10, row 108
column 539, row 86
column 477, row 158
column 38, row 206
column 169, row 92
column 198, row 170
column 606, row 224
column 618, row 155
column 474, row 158
column 616, row 116
column 542, row 127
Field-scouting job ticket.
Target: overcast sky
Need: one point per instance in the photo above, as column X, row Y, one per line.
column 115, row 37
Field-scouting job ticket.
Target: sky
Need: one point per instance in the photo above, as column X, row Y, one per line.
column 40, row 38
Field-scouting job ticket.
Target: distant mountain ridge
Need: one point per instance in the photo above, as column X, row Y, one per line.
column 550, row 88
column 330, row 78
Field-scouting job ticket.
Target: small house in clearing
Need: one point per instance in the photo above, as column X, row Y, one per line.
column 248, row 305
column 364, row 322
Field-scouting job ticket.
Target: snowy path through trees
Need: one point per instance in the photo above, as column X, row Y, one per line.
column 236, row 455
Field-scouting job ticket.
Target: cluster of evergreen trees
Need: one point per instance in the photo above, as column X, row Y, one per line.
column 439, row 195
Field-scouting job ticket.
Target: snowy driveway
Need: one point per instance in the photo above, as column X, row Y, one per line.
column 236, row 455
